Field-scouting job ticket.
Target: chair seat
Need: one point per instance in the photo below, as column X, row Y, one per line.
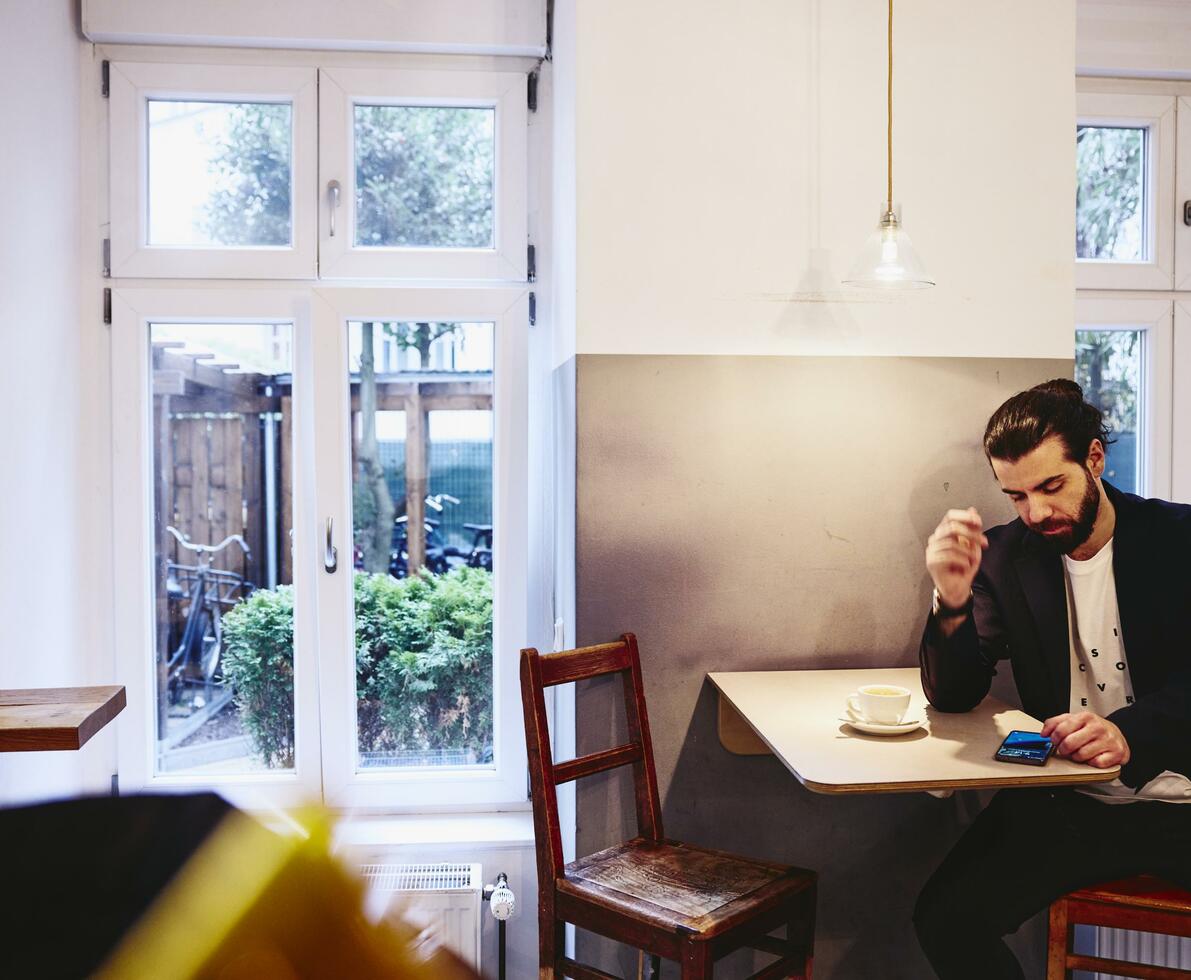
column 1141, row 891
column 678, row 886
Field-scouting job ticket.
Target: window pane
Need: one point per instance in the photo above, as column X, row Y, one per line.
column 425, row 176
column 1110, row 193
column 224, row 571
column 219, row 173
column 422, row 447
column 1108, row 368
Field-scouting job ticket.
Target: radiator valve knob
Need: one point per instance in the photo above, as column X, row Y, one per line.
column 500, row 898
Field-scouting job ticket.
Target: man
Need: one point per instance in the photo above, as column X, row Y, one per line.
column 1088, row 596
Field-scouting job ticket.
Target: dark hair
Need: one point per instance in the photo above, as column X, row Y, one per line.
column 1053, row 408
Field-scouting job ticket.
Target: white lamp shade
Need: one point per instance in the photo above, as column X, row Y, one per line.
column 888, row 259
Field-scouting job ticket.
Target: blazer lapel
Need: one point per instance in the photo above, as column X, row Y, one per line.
column 1041, row 575
column 1130, row 565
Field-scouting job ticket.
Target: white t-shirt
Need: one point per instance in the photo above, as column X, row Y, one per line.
column 1100, row 680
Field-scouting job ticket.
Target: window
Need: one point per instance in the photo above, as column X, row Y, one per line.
column 423, row 174
column 1125, row 153
column 322, row 488
column 212, row 170
column 1133, row 262
column 442, row 452
column 1123, row 354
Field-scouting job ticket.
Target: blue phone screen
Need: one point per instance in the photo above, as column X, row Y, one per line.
column 1025, row 745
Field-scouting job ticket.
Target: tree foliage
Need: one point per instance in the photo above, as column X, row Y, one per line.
column 423, row 652
column 424, row 662
column 1109, row 192
column 424, row 176
column 1107, row 367
column 251, row 201
column 258, row 659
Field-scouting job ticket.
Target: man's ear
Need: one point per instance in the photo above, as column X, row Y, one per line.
column 1096, row 458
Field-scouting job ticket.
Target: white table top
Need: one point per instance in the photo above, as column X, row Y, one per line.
column 800, row 716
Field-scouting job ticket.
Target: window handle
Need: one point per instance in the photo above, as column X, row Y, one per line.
column 333, row 194
column 331, row 555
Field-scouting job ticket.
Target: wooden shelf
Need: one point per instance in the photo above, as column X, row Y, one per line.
column 48, row 719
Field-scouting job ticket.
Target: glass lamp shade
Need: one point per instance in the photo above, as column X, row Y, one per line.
column 888, row 259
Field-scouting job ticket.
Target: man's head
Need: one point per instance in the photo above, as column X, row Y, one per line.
column 1046, row 447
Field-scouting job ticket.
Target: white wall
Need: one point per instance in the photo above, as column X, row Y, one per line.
column 731, row 163
column 46, row 638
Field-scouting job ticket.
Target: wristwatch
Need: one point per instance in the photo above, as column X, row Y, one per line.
column 941, row 610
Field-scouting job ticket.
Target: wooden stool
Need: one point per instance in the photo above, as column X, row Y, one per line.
column 670, row 899
column 1144, row 903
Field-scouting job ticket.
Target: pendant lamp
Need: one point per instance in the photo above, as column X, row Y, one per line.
column 888, row 259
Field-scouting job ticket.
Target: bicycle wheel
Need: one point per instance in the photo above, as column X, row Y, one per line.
column 211, row 661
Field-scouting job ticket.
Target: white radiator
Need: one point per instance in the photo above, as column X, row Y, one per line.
column 1142, row 947
column 444, row 900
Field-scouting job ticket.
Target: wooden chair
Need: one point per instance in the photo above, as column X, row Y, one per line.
column 1144, row 903
column 670, row 899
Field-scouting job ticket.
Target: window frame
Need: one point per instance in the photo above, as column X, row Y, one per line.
column 1181, row 407
column 1156, row 114
column 162, row 292
column 340, row 89
column 1182, row 193
column 133, row 310
column 507, row 308
column 132, row 85
column 1154, row 318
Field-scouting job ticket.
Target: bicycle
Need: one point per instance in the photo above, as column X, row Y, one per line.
column 197, row 659
column 440, row 556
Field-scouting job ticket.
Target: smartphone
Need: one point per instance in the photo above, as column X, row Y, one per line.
column 1029, row 748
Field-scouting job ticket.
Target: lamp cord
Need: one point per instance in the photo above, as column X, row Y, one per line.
column 889, row 114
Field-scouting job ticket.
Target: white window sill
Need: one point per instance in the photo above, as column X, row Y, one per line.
column 505, row 829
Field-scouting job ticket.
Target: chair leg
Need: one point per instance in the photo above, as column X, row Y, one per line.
column 800, row 929
column 551, row 947
column 696, row 961
column 1058, row 942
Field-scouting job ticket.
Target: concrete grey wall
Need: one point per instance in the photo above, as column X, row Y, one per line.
column 745, row 513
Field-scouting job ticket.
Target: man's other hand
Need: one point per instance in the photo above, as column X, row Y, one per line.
column 1085, row 737
column 953, row 555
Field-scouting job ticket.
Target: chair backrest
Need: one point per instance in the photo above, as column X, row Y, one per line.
column 539, row 671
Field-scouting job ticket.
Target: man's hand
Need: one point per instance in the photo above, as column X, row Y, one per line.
column 1085, row 737
column 953, row 555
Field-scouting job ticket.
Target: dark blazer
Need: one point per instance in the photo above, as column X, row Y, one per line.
column 1020, row 615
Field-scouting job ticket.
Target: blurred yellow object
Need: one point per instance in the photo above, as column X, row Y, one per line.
column 254, row 905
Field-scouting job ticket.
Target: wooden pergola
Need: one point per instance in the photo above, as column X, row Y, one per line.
column 215, row 496
column 418, row 396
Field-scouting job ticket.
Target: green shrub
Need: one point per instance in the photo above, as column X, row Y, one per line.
column 423, row 664
column 258, row 658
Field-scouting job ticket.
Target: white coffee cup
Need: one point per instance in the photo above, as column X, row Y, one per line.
column 881, row 704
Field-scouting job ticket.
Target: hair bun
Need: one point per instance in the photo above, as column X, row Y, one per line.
column 1064, row 387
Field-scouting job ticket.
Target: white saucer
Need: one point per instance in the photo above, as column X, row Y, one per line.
column 872, row 728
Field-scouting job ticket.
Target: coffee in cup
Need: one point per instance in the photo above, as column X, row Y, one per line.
column 880, row 704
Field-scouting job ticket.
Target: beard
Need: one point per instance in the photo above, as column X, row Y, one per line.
column 1066, row 535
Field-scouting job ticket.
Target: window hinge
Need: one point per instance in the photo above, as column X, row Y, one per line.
column 107, row 258
column 533, row 309
column 531, row 264
column 107, row 305
column 105, row 85
column 532, row 91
